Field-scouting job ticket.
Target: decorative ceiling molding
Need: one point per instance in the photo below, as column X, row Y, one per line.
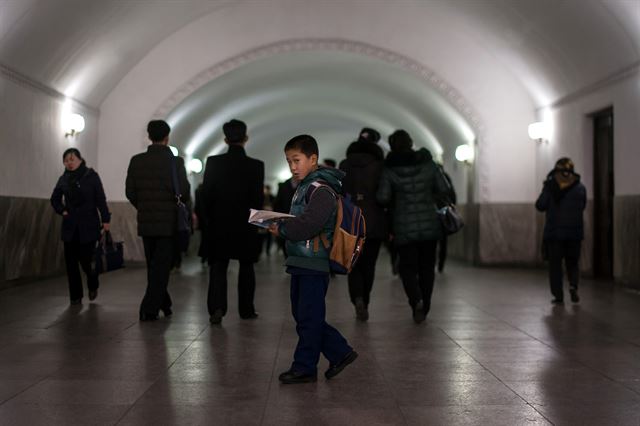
column 305, row 45
column 26, row 81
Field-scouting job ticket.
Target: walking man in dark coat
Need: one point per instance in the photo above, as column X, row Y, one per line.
column 232, row 185
column 363, row 167
column 563, row 199
column 149, row 187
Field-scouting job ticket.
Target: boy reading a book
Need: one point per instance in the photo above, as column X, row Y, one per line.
column 314, row 207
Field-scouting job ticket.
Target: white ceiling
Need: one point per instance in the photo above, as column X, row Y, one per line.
column 86, row 48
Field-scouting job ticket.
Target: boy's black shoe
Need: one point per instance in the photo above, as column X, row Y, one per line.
column 93, row 294
column 557, row 301
column 216, row 318
column 292, row 377
column 574, row 295
column 334, row 370
column 148, row 317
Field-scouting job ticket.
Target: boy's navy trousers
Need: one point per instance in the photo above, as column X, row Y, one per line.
column 315, row 336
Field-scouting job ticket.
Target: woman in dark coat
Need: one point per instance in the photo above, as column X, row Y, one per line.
column 412, row 184
column 78, row 197
column 363, row 167
column 563, row 199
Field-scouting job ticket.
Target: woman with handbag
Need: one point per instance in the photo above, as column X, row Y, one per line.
column 412, row 185
column 78, row 197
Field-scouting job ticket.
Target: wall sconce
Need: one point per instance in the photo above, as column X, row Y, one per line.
column 72, row 124
column 194, row 165
column 464, row 153
column 539, row 131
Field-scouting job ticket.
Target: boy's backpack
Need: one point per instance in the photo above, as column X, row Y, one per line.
column 348, row 236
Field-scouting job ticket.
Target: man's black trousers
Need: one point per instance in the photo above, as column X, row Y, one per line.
column 363, row 274
column 159, row 254
column 217, row 297
column 417, row 270
column 569, row 251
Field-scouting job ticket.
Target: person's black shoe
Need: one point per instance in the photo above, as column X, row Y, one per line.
column 292, row 377
column 250, row 316
column 361, row 310
column 419, row 314
column 93, row 294
column 557, row 301
column 574, row 295
column 216, row 318
column 334, row 370
column 76, row 301
column 167, row 312
column 148, row 317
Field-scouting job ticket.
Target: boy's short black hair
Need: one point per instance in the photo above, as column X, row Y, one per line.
column 330, row 162
column 303, row 143
column 158, row 130
column 235, row 131
column 400, row 141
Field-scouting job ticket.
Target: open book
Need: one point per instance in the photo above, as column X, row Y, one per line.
column 265, row 218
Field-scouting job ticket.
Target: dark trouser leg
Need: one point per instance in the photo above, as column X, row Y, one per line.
column 442, row 253
column 371, row 251
column 159, row 254
column 268, row 240
column 572, row 261
column 356, row 282
column 85, row 256
column 556, row 254
column 73, row 271
column 315, row 336
column 246, row 289
column 217, row 297
column 426, row 270
column 409, row 272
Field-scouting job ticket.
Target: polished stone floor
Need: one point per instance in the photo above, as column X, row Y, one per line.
column 493, row 351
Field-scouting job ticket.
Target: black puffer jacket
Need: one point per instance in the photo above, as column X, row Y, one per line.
column 81, row 195
column 412, row 185
column 149, row 187
column 564, row 210
column 363, row 167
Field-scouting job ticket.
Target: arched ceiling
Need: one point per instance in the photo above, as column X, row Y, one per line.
column 329, row 94
column 83, row 48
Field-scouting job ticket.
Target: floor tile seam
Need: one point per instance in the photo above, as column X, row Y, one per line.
column 130, row 407
column 388, row 385
column 556, row 349
column 499, row 380
column 273, row 368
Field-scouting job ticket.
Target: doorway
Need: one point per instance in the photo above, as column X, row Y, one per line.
column 603, row 193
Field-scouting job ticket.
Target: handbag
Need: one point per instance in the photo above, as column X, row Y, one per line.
column 183, row 217
column 450, row 219
column 109, row 255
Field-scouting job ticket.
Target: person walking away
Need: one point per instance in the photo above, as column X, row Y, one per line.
column 563, row 199
column 79, row 198
column 232, row 185
column 412, row 185
column 149, row 188
column 282, row 204
column 314, row 207
column 363, row 168
column 452, row 199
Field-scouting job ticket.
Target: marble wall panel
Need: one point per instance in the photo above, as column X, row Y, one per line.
column 507, row 234
column 124, row 227
column 30, row 243
column 626, row 242
column 463, row 245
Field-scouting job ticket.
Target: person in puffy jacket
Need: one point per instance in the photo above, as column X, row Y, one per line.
column 563, row 199
column 412, row 185
column 78, row 197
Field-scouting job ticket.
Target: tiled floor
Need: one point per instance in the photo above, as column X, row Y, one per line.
column 492, row 352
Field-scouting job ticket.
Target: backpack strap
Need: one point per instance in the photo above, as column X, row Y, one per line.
column 314, row 186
